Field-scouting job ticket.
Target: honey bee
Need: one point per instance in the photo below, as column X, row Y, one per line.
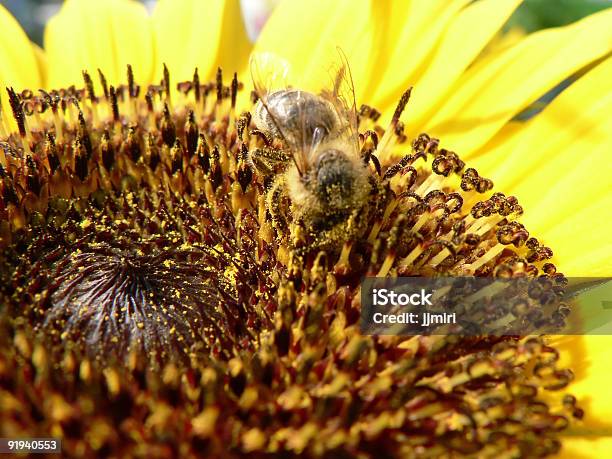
column 319, row 179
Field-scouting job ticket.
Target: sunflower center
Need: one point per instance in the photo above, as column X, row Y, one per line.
column 121, row 303
column 137, row 226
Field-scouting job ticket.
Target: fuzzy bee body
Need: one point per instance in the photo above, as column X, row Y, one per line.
column 325, row 183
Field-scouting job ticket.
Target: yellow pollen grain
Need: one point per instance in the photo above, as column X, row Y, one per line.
column 86, row 223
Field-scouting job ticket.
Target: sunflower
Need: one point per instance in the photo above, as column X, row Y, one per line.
column 152, row 305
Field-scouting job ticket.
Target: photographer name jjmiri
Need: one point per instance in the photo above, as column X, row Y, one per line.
column 384, row 297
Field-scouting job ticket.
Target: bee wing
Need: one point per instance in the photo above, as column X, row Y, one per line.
column 269, row 73
column 308, row 138
column 342, row 98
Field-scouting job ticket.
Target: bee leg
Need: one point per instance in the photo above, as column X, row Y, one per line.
column 263, row 136
column 259, row 161
column 269, row 161
column 276, row 202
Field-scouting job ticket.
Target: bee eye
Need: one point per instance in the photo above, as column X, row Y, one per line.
column 334, row 176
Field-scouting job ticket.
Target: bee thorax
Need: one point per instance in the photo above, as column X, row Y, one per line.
column 298, row 114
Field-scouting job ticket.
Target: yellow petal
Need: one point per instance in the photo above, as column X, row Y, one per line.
column 196, row 33
column 572, row 138
column 503, row 40
column 559, row 168
column 489, row 158
column 588, row 357
column 492, row 92
column 580, row 239
column 584, row 447
column 297, row 32
column 575, row 115
column 466, row 36
column 235, row 44
column 41, row 61
column 413, row 31
column 18, row 66
column 92, row 34
column 580, row 172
